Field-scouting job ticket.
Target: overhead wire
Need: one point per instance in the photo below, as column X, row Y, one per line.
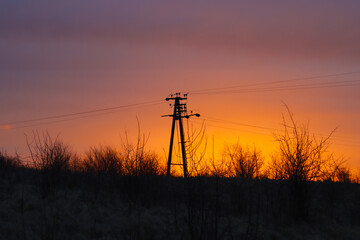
column 267, row 128
column 332, row 84
column 237, row 123
column 198, row 91
column 279, row 86
column 205, row 91
column 80, row 117
column 216, row 125
column 230, row 89
column 80, row 113
column 343, row 138
column 348, row 139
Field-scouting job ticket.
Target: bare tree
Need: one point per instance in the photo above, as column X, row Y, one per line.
column 243, row 162
column 103, row 159
column 136, row 160
column 48, row 154
column 343, row 174
column 220, row 167
column 50, row 157
column 355, row 175
column 301, row 157
column 196, row 147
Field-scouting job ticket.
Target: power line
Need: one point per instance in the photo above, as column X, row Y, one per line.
column 274, row 82
column 332, row 84
column 346, row 138
column 82, row 117
column 230, row 128
column 217, row 120
column 80, row 113
column 337, row 142
column 237, row 123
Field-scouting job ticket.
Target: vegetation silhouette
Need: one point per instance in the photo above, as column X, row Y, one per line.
column 301, row 156
column 245, row 163
column 8, row 163
column 123, row 193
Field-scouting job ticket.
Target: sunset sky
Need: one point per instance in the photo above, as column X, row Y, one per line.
column 64, row 57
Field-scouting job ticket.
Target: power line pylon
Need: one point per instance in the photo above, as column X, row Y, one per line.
column 180, row 112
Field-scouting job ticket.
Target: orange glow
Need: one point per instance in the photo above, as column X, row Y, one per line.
column 124, row 53
column 5, row 127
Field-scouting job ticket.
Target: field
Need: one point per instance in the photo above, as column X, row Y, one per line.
column 73, row 205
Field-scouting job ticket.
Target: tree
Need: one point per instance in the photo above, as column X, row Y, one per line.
column 136, row 160
column 301, row 157
column 48, row 154
column 103, row 159
column 50, row 157
column 196, row 146
column 343, row 175
column 244, row 163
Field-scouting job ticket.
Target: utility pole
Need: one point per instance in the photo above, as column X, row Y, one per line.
column 180, row 112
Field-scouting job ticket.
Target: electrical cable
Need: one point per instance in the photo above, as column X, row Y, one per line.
column 337, row 141
column 81, row 117
column 344, row 138
column 237, row 123
column 80, row 113
column 275, row 82
column 229, row 128
column 348, row 83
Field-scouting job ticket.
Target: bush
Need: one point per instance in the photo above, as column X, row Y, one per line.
column 302, row 157
column 243, row 162
column 137, row 162
column 8, row 163
column 103, row 159
column 50, row 158
column 48, row 154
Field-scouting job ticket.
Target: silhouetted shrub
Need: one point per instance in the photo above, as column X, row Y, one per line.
column 196, row 147
column 129, row 161
column 342, row 174
column 136, row 161
column 50, row 158
column 103, row 159
column 301, row 157
column 76, row 164
column 8, row 163
column 243, row 162
column 140, row 163
column 48, row 154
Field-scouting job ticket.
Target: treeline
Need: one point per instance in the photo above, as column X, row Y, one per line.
column 46, row 201
column 239, row 196
column 300, row 157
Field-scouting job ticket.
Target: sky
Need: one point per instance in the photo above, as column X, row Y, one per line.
column 64, row 57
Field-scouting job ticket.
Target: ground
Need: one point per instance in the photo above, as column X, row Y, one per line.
column 83, row 206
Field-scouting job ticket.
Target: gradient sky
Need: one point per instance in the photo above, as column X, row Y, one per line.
column 59, row 57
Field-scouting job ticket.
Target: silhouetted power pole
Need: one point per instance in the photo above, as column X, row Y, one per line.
column 180, row 112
